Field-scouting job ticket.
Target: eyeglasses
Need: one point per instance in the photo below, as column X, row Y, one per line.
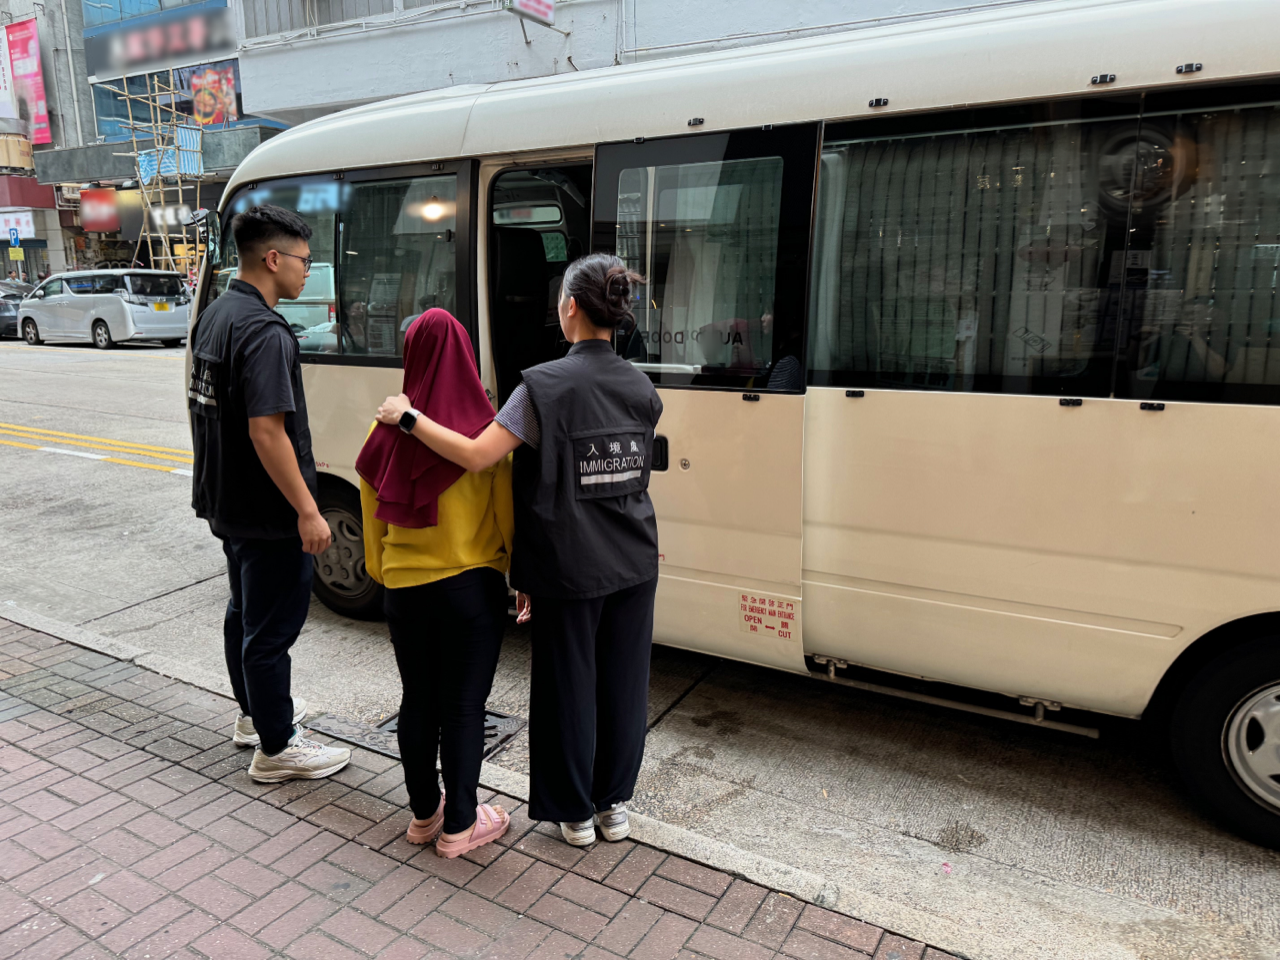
column 306, row 261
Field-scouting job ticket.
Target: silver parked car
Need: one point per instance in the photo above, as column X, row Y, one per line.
column 107, row 307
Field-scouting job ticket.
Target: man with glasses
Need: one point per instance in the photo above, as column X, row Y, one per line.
column 255, row 483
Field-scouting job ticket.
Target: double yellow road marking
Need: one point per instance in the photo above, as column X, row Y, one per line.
column 55, row 441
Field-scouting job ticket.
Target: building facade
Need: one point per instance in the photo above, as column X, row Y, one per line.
column 301, row 59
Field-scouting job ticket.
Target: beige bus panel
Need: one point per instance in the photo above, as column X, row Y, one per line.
column 341, row 403
column 1013, row 544
column 730, row 523
column 987, row 56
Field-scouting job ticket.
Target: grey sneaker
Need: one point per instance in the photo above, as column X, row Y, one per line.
column 246, row 736
column 302, row 759
column 613, row 822
column 579, row 834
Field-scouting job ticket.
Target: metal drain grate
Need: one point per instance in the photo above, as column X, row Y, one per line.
column 499, row 728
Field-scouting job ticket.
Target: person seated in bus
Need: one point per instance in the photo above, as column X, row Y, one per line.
column 582, row 429
column 255, row 483
column 439, row 539
column 1198, row 349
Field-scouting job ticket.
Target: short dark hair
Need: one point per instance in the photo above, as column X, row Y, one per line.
column 257, row 228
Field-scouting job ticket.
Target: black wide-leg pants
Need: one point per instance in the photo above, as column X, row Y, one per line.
column 589, row 712
column 447, row 637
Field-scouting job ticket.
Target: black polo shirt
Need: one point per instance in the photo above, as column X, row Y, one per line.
column 244, row 364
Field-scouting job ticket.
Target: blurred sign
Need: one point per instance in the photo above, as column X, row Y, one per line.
column 20, row 220
column 539, row 11
column 169, row 39
column 98, row 211
column 213, row 94
column 25, row 82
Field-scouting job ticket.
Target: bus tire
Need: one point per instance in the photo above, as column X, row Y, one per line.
column 341, row 582
column 1225, row 739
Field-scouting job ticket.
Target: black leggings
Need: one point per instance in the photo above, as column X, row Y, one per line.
column 447, row 636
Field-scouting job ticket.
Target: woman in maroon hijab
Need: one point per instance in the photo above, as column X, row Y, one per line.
column 439, row 539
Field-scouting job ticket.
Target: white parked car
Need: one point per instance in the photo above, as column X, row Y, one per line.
column 107, row 307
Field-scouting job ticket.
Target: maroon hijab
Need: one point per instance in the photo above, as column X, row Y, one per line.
column 441, row 381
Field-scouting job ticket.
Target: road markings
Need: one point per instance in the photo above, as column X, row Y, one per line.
column 129, row 444
column 98, row 446
column 118, row 447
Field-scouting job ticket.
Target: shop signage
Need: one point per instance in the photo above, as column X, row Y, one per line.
column 20, row 220
column 167, row 39
column 98, row 211
column 539, row 11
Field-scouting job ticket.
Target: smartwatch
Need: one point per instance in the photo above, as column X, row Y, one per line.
column 409, row 419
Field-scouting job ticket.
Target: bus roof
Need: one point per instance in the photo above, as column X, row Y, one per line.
column 1010, row 52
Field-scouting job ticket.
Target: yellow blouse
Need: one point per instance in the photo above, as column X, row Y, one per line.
column 476, row 524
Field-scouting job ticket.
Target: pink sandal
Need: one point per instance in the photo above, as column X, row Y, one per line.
column 424, row 831
column 491, row 823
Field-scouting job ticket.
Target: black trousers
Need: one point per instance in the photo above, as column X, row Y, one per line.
column 447, row 636
column 270, row 595
column 589, row 713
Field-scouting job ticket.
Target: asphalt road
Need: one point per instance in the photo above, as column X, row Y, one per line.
column 984, row 837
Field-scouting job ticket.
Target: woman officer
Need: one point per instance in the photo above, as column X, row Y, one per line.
column 585, row 555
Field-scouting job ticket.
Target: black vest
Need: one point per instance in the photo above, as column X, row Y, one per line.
column 584, row 522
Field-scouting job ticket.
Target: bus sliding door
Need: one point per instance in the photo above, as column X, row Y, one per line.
column 718, row 225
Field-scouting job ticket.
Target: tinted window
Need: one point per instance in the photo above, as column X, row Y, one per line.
column 107, row 283
column 399, row 259
column 80, row 285
column 148, row 285
column 718, row 226
column 989, row 258
column 1203, row 320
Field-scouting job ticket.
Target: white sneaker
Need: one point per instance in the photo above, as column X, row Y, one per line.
column 579, row 834
column 302, row 759
column 613, row 822
column 246, row 736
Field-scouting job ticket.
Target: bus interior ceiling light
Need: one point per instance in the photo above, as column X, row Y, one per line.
column 433, row 209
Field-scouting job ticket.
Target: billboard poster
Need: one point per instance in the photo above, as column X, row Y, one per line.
column 213, row 93
column 26, row 78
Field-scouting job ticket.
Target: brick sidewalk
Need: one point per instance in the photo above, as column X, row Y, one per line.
column 129, row 828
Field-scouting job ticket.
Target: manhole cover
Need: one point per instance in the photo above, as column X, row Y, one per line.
column 499, row 728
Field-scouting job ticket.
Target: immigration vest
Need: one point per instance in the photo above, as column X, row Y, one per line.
column 584, row 521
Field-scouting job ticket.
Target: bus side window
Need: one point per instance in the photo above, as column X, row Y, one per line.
column 399, row 259
column 718, row 226
column 978, row 258
column 1203, row 258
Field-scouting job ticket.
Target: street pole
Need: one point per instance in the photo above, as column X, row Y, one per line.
column 71, row 74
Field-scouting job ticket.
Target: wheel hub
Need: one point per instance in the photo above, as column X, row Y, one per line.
column 1252, row 744
column 341, row 567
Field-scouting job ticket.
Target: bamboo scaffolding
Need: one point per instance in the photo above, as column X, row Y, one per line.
column 158, row 120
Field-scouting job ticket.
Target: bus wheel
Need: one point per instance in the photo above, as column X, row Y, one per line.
column 1225, row 737
column 341, row 581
